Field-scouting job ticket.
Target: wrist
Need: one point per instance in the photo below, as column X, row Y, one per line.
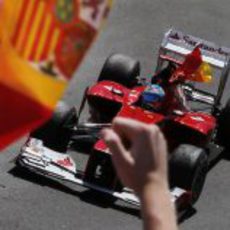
column 157, row 207
column 154, row 185
column 152, row 194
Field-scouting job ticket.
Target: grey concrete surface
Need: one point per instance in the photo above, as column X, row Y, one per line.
column 135, row 27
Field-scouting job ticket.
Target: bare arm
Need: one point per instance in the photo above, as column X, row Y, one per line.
column 139, row 154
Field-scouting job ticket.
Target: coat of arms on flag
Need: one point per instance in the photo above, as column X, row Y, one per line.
column 44, row 29
column 42, row 44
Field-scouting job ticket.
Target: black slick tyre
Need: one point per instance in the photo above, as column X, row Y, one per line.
column 223, row 132
column 188, row 167
column 120, row 69
column 56, row 132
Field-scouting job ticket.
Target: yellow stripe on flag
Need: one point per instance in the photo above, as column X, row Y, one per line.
column 28, row 14
column 43, row 37
column 54, row 40
column 17, row 10
column 8, row 12
column 34, row 30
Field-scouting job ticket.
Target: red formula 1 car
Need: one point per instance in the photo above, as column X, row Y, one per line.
column 191, row 119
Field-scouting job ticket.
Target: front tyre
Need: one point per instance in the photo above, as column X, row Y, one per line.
column 188, row 167
column 56, row 132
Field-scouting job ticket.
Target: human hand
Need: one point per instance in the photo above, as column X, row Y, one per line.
column 139, row 154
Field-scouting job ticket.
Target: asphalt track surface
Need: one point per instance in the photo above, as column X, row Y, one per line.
column 135, row 27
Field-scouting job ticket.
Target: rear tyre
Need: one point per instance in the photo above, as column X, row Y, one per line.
column 56, row 132
column 223, row 132
column 188, row 168
column 121, row 69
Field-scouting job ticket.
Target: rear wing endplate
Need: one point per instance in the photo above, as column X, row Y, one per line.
column 176, row 42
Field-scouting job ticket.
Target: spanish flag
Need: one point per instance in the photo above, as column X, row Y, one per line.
column 35, row 41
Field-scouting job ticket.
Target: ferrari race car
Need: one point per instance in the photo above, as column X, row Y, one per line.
column 192, row 119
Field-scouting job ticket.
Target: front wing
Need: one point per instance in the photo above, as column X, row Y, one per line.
column 44, row 161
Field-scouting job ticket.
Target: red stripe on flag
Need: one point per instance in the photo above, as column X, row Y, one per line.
column 19, row 23
column 29, row 26
column 19, row 115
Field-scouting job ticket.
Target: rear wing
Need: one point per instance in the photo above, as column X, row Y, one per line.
column 176, row 45
column 176, row 42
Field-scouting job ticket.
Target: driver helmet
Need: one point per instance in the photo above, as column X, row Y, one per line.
column 153, row 93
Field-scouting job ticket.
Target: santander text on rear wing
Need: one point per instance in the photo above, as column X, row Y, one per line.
column 176, row 42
